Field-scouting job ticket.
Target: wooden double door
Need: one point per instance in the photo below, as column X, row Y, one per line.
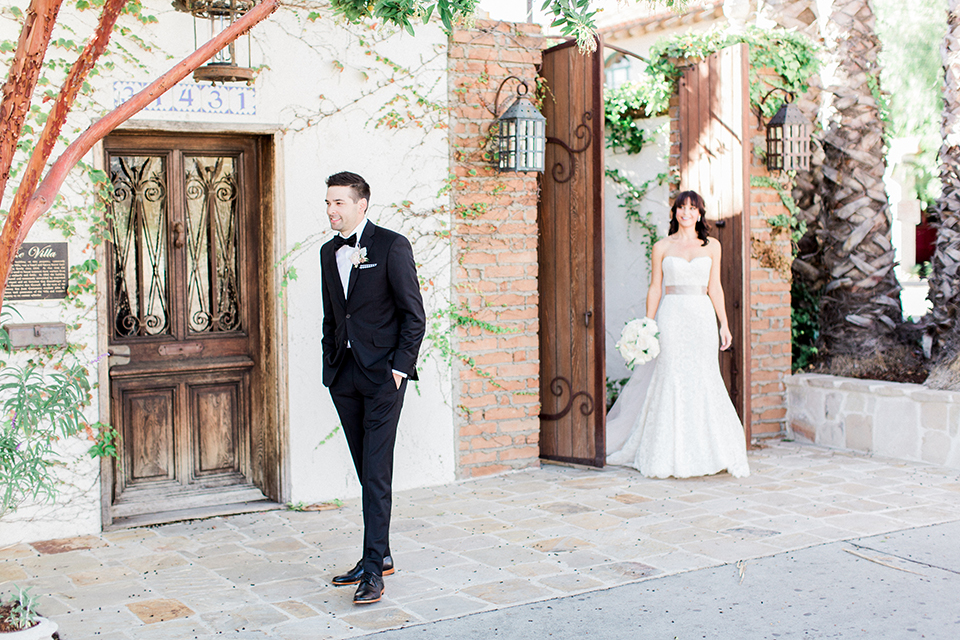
column 184, row 326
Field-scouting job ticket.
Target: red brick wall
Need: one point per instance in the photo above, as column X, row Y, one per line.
column 771, row 348
column 770, row 327
column 495, row 266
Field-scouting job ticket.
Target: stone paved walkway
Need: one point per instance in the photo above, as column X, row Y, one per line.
column 467, row 547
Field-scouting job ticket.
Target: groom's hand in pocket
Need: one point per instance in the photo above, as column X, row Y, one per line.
column 398, row 379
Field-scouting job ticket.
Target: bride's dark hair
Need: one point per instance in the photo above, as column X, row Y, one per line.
column 693, row 198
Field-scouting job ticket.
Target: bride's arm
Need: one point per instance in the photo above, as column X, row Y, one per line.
column 656, row 279
column 715, row 291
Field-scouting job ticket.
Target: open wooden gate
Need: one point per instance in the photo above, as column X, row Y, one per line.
column 572, row 367
column 714, row 161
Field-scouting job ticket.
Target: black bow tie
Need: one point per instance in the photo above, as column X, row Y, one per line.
column 339, row 241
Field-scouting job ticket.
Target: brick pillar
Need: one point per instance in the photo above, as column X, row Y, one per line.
column 770, row 299
column 496, row 366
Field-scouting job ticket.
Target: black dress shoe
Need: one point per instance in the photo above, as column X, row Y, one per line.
column 370, row 589
column 353, row 576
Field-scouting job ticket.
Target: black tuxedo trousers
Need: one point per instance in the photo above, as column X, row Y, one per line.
column 369, row 413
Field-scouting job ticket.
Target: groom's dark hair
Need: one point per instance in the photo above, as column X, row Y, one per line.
column 346, row 179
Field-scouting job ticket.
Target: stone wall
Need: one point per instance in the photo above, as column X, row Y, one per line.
column 907, row 421
column 495, row 266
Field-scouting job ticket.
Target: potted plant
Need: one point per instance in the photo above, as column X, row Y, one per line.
column 19, row 619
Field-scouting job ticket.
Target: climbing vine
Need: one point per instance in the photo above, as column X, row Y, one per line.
column 624, row 106
column 786, row 225
column 632, row 196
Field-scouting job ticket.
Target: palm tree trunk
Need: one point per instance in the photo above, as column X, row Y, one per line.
column 860, row 307
column 943, row 335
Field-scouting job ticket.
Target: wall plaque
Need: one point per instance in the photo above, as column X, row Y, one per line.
column 39, row 272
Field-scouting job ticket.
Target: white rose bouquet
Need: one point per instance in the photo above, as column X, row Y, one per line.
column 638, row 342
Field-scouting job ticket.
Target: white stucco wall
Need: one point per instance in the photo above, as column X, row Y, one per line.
column 627, row 270
column 303, row 61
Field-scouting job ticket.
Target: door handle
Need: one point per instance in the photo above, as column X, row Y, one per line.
column 586, row 318
column 178, row 235
column 118, row 354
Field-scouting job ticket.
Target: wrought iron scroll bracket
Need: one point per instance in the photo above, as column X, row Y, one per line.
column 496, row 100
column 585, row 135
column 556, row 387
column 791, row 96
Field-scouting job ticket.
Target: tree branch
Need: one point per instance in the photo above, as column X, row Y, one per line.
column 22, row 78
column 58, row 115
column 15, row 231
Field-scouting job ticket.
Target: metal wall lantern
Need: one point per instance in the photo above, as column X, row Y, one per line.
column 219, row 15
column 521, row 133
column 788, row 138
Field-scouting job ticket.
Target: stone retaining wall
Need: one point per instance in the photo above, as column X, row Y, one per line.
column 907, row 421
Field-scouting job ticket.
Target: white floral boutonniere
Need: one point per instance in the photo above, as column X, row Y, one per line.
column 359, row 256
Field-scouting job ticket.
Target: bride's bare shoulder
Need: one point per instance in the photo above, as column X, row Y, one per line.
column 661, row 245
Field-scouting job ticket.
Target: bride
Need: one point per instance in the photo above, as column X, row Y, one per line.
column 674, row 417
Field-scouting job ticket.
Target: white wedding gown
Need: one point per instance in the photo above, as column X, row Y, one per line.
column 674, row 417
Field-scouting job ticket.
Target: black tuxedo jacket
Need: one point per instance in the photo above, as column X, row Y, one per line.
column 382, row 315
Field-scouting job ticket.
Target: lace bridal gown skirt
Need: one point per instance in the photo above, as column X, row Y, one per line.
column 674, row 417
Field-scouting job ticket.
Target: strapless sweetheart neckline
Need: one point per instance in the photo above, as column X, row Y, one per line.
column 685, row 260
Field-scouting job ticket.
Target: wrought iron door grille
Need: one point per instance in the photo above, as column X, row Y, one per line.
column 213, row 294
column 138, row 222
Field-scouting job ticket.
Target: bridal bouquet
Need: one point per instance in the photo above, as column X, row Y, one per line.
column 638, row 342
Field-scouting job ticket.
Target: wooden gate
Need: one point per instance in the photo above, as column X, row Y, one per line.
column 715, row 161
column 572, row 367
column 184, row 328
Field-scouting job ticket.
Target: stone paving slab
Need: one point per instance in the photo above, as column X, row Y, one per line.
column 469, row 547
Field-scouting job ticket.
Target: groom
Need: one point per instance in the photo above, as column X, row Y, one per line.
column 373, row 323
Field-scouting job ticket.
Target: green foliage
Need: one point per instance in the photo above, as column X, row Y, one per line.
column 106, row 441
column 623, row 107
column 576, row 18
column 632, row 196
column 39, row 409
column 439, row 331
column 883, row 102
column 614, row 387
column 804, row 324
column 41, row 406
column 784, row 222
column 20, row 609
column 327, row 437
column 912, row 72
column 791, row 55
column 403, row 13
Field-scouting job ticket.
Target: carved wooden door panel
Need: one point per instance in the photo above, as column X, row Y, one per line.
column 184, row 323
column 715, row 161
column 572, row 367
